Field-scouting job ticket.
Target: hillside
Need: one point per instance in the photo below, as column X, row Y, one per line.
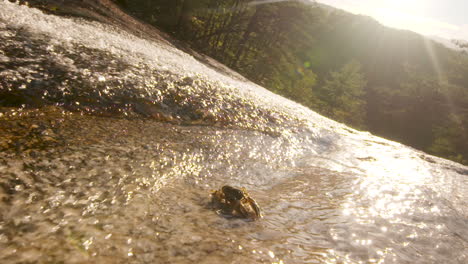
column 112, row 141
column 394, row 83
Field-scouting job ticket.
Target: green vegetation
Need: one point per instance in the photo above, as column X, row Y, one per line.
column 394, row 83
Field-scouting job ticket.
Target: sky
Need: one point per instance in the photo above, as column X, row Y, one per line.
column 442, row 18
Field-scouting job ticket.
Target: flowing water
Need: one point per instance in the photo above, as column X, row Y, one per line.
column 111, row 143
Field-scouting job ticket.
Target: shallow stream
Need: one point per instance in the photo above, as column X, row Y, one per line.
column 111, row 144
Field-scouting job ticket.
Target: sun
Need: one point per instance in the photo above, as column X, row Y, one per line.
column 425, row 17
column 394, row 18
column 403, row 14
column 405, row 6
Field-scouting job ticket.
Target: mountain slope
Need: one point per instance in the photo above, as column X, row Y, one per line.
column 394, row 83
column 110, row 145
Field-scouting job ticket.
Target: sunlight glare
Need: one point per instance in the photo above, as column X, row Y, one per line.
column 398, row 13
column 407, row 6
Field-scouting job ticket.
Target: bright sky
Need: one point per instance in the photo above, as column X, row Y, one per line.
column 443, row 18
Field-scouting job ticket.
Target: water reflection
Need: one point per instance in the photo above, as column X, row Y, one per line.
column 109, row 154
column 401, row 198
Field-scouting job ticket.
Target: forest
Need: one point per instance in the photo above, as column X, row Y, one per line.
column 394, row 83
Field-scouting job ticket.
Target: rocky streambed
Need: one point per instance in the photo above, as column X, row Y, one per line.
column 111, row 143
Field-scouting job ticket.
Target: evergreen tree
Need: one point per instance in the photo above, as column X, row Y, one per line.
column 343, row 94
column 395, row 83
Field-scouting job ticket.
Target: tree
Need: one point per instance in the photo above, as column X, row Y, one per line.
column 395, row 83
column 448, row 140
column 343, row 94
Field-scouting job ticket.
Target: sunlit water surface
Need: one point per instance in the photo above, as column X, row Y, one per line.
column 111, row 145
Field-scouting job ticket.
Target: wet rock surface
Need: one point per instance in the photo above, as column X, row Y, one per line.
column 113, row 190
column 44, row 73
column 110, row 145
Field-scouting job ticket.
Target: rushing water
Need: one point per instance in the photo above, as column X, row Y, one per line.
column 110, row 145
